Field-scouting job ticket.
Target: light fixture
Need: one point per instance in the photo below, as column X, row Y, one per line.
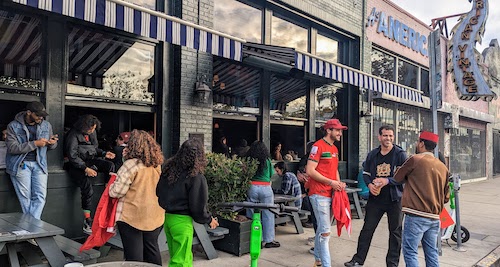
column 202, row 91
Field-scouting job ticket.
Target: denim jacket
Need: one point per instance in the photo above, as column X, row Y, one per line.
column 18, row 144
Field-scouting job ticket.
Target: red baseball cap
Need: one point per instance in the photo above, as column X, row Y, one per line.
column 429, row 136
column 334, row 124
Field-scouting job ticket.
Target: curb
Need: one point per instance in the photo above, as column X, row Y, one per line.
column 491, row 260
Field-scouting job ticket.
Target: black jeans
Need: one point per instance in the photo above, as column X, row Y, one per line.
column 140, row 245
column 374, row 212
column 85, row 182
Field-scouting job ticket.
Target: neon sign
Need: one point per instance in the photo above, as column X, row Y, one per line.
column 398, row 31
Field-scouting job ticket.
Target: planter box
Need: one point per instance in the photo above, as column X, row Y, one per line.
column 237, row 242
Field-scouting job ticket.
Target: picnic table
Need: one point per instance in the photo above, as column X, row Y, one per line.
column 17, row 227
column 294, row 216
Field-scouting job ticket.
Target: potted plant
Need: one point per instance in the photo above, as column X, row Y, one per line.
column 228, row 181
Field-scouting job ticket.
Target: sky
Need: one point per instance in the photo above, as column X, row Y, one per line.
column 426, row 10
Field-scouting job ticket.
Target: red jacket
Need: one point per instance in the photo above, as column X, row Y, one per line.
column 341, row 211
column 104, row 220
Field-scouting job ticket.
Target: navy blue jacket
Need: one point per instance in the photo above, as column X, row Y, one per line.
column 370, row 170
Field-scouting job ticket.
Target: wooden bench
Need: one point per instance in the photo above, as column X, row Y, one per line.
column 72, row 248
column 203, row 236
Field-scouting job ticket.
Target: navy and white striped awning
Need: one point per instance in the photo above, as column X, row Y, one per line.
column 148, row 23
column 344, row 74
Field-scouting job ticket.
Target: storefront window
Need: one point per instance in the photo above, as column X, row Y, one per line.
column 327, row 48
column 383, row 65
column 383, row 114
column 424, row 82
column 20, row 51
column 407, row 74
column 326, row 101
column 113, row 67
column 237, row 19
column 407, row 130
column 284, row 33
column 468, row 153
column 150, row 4
column 288, row 98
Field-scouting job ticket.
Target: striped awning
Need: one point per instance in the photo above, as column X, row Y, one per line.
column 314, row 65
column 148, row 23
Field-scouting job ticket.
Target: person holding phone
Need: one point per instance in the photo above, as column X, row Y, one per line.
column 28, row 138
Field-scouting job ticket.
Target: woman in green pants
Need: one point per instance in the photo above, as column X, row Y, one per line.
column 183, row 193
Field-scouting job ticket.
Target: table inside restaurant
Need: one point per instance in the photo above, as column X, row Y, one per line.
column 18, row 227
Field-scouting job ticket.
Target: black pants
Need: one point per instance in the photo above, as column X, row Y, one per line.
column 306, row 205
column 140, row 245
column 374, row 212
column 85, row 182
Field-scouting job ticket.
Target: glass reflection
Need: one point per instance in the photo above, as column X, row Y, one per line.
column 407, row 129
column 238, row 19
column 407, row 74
column 284, row 33
column 20, row 50
column 150, row 4
column 383, row 65
column 326, row 101
column 288, row 99
column 327, row 48
column 424, row 82
column 468, row 150
column 110, row 66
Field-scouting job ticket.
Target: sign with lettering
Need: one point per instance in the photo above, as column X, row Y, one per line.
column 471, row 83
column 398, row 31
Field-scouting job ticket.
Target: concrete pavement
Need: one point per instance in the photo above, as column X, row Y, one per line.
column 480, row 214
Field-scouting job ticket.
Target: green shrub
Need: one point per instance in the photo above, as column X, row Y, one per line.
column 228, row 181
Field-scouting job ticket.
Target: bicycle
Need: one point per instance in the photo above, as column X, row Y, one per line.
column 451, row 231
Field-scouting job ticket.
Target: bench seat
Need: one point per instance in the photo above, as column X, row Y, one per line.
column 71, row 248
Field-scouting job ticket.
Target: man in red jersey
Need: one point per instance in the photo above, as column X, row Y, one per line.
column 322, row 168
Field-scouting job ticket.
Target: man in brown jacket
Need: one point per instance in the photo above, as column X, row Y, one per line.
column 424, row 195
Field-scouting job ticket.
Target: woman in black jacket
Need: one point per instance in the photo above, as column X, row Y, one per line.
column 183, row 193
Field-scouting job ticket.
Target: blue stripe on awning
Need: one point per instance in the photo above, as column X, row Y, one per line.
column 343, row 74
column 147, row 24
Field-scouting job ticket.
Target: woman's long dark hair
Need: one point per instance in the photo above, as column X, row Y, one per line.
column 190, row 159
column 85, row 122
column 259, row 151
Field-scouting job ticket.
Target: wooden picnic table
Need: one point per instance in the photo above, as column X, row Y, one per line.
column 18, row 227
column 293, row 216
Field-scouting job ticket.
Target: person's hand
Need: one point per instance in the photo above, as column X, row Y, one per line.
column 374, row 190
column 336, row 185
column 53, row 139
column 41, row 142
column 89, row 172
column 302, row 177
column 380, row 182
column 214, row 223
column 110, row 155
column 125, row 152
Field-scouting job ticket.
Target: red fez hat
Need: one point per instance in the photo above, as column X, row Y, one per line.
column 334, row 124
column 429, row 136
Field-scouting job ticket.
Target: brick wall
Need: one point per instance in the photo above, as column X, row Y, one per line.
column 189, row 66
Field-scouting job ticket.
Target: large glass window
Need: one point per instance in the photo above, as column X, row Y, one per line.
column 407, row 74
column 326, row 101
column 468, row 153
column 424, row 82
column 20, row 58
column 327, row 48
column 285, row 33
column 383, row 65
column 151, row 4
column 102, row 65
column 407, row 130
column 237, row 19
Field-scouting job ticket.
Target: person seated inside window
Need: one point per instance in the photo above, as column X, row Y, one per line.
column 277, row 152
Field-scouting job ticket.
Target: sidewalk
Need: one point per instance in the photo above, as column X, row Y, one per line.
column 480, row 214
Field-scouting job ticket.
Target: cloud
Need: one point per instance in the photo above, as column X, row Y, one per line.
column 442, row 8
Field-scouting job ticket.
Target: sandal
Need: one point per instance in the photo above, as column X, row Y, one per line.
column 317, row 264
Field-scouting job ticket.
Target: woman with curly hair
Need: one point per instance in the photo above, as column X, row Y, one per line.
column 139, row 217
column 261, row 192
column 183, row 193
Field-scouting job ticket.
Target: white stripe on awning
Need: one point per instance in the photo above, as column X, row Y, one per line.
column 128, row 17
column 317, row 66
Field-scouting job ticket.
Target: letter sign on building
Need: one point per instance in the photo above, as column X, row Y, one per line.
column 470, row 82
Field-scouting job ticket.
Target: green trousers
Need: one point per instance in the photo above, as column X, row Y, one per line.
column 179, row 232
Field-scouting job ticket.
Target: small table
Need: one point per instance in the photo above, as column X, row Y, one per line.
column 288, row 216
column 18, row 227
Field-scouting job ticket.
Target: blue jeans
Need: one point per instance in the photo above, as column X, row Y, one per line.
column 263, row 194
column 30, row 185
column 418, row 229
column 322, row 207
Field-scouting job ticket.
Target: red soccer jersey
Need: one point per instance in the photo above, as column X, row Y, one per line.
column 327, row 157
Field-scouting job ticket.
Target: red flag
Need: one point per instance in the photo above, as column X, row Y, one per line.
column 445, row 219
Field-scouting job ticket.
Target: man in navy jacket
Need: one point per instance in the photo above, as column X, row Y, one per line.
column 385, row 197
